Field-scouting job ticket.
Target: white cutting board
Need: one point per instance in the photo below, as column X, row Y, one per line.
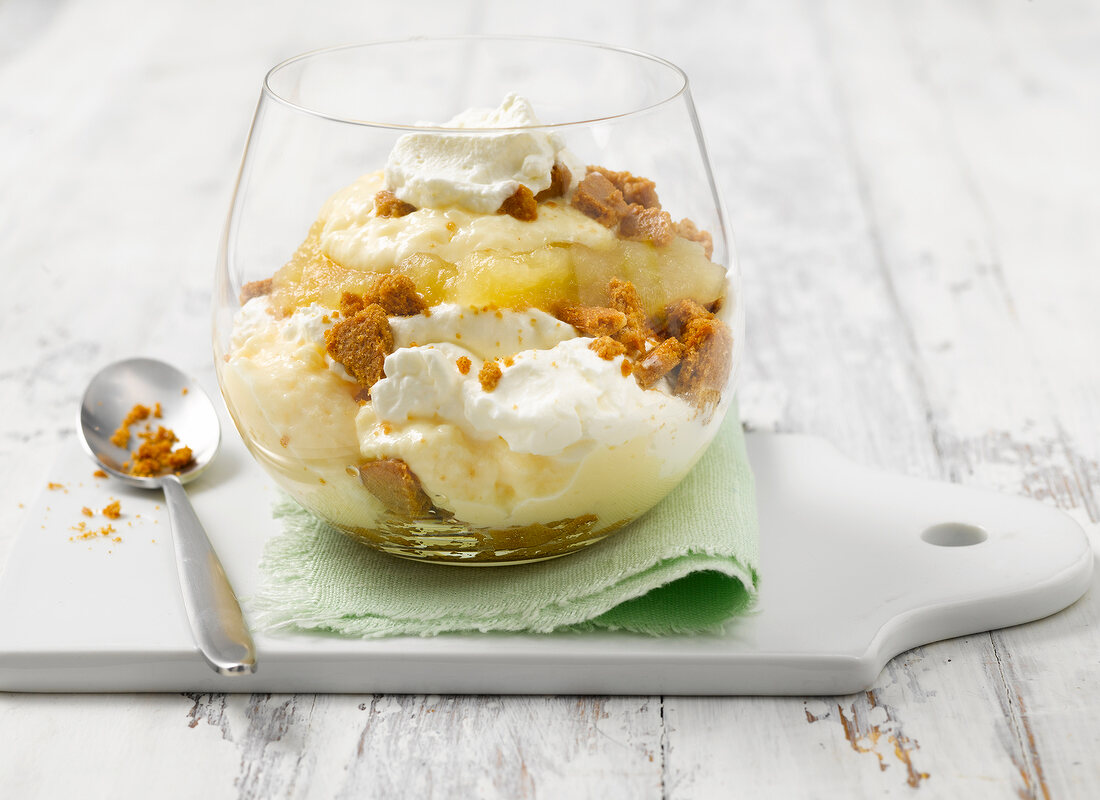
column 847, row 583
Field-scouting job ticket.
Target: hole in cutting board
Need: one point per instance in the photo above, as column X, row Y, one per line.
column 954, row 534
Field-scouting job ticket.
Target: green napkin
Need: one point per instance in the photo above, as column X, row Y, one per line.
column 686, row 566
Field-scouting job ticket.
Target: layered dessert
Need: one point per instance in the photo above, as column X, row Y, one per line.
column 488, row 350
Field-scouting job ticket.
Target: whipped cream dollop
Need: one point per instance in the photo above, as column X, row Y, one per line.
column 546, row 401
column 477, row 170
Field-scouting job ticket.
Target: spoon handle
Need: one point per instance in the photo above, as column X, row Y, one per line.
column 215, row 615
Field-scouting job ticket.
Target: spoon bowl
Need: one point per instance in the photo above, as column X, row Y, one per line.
column 212, row 609
column 185, row 409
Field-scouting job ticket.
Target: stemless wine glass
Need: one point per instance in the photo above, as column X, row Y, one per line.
column 470, row 336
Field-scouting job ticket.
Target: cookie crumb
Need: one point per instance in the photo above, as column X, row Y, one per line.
column 658, row 362
column 112, row 510
column 607, row 348
column 99, row 474
column 560, row 178
column 361, row 344
column 520, row 204
column 155, row 455
column 679, row 314
column 387, row 204
column 636, row 190
column 463, row 365
column 623, row 297
column 53, row 487
column 708, row 345
column 593, row 320
column 256, row 289
column 121, row 437
column 489, row 375
column 396, row 294
column 597, row 197
column 87, row 511
column 688, row 229
column 642, row 224
column 395, row 486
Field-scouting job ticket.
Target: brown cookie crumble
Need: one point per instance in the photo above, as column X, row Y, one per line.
column 361, row 343
column 396, row 487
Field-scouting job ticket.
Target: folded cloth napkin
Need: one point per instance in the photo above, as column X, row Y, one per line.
column 687, row 566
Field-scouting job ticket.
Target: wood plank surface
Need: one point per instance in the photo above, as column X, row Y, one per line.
column 913, row 192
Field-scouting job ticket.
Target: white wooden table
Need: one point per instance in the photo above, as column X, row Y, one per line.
column 914, row 192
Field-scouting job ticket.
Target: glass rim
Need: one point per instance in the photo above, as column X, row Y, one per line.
column 270, row 92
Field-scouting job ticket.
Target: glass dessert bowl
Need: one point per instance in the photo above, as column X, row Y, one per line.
column 492, row 338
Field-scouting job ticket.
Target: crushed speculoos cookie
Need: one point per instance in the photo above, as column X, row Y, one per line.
column 592, row 320
column 121, row 437
column 256, row 289
column 689, row 230
column 635, row 189
column 607, row 348
column 112, row 510
column 361, row 343
column 520, row 204
column 623, row 297
column 463, row 365
column 489, row 375
column 396, row 487
column 351, row 304
column 642, row 224
column 87, row 512
column 387, row 204
column 560, row 178
column 597, row 197
column 658, row 362
column 99, row 474
column 680, row 313
column 396, row 294
column 705, row 368
column 155, row 455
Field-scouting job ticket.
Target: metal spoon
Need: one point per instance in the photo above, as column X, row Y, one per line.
column 212, row 609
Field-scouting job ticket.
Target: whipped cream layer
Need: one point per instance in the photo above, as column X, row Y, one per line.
column 476, row 170
column 354, row 237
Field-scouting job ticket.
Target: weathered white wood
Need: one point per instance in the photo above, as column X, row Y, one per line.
column 913, row 188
